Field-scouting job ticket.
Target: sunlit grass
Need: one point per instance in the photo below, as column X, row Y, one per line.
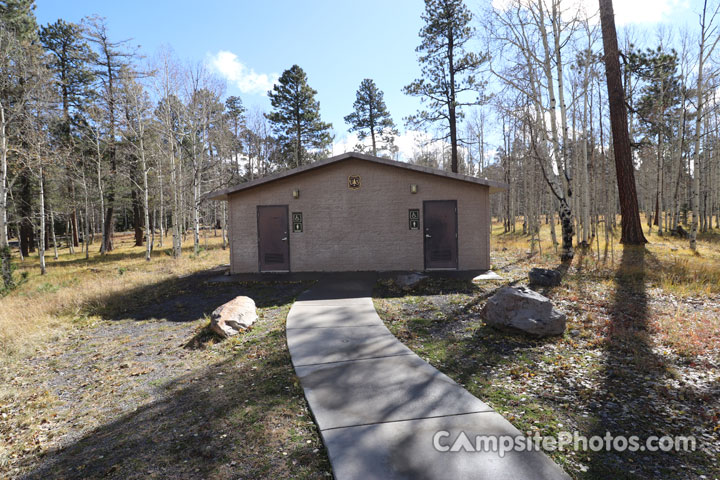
column 671, row 266
column 670, row 269
column 42, row 304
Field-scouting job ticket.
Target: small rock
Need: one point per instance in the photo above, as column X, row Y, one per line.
column 679, row 232
column 545, row 277
column 233, row 317
column 523, row 309
column 574, row 332
column 409, row 280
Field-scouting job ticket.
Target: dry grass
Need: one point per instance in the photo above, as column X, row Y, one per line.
column 672, row 266
column 43, row 304
column 682, row 286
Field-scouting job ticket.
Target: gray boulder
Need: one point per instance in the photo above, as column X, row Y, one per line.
column 523, row 309
column 233, row 317
column 544, row 277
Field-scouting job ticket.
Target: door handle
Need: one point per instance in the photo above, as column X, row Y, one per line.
column 427, row 235
column 284, row 239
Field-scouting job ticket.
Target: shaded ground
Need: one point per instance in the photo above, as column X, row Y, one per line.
column 147, row 392
column 616, row 369
column 131, row 385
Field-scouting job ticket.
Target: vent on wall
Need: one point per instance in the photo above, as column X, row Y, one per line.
column 441, row 255
column 274, row 258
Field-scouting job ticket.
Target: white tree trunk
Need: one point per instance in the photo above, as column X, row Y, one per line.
column 4, row 187
column 146, row 201
column 41, row 246
column 695, row 195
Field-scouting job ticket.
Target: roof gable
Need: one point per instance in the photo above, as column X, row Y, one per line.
column 223, row 194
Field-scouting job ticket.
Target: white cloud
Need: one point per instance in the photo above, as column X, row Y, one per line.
column 413, row 141
column 345, row 144
column 348, row 143
column 645, row 11
column 243, row 77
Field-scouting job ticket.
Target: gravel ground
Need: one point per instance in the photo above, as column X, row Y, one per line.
column 611, row 371
column 141, row 389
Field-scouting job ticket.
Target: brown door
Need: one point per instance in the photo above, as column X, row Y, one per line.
column 440, row 222
column 273, row 239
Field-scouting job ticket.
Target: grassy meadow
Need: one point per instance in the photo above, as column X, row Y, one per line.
column 46, row 305
column 108, row 369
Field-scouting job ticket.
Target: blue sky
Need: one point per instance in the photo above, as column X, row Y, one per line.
column 338, row 43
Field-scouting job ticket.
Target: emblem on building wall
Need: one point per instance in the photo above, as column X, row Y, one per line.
column 354, row 182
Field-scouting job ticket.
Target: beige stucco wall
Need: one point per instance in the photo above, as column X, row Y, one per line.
column 365, row 229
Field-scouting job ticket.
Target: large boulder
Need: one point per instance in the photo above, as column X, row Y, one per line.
column 233, row 317
column 545, row 277
column 523, row 309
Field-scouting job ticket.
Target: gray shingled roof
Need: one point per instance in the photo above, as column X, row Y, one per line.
column 223, row 194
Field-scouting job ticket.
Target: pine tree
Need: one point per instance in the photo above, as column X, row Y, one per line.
column 295, row 118
column 19, row 67
column 448, row 70
column 657, row 106
column 18, row 17
column 371, row 118
column 235, row 114
column 632, row 233
column 110, row 60
column 70, row 63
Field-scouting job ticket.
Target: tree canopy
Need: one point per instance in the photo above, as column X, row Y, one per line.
column 449, row 70
column 370, row 118
column 295, row 118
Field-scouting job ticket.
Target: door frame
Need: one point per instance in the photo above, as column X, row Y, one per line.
column 257, row 227
column 457, row 246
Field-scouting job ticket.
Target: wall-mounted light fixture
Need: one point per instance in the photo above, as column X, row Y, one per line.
column 296, row 193
column 413, row 188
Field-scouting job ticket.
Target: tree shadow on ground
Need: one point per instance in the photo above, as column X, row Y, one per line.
column 632, row 397
column 219, row 423
column 711, row 236
column 186, row 299
column 243, row 416
column 459, row 355
column 631, row 400
column 114, row 256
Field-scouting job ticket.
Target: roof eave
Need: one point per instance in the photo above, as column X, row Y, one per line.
column 495, row 187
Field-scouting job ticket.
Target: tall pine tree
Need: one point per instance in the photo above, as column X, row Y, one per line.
column 19, row 18
column 70, row 61
column 449, row 71
column 371, row 118
column 235, row 114
column 632, row 233
column 295, row 118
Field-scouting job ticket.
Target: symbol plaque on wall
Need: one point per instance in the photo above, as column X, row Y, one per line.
column 414, row 218
column 297, row 222
column 354, row 182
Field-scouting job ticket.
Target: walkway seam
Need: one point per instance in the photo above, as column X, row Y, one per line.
column 396, row 403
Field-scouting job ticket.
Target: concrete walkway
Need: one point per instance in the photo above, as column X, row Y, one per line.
column 378, row 405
